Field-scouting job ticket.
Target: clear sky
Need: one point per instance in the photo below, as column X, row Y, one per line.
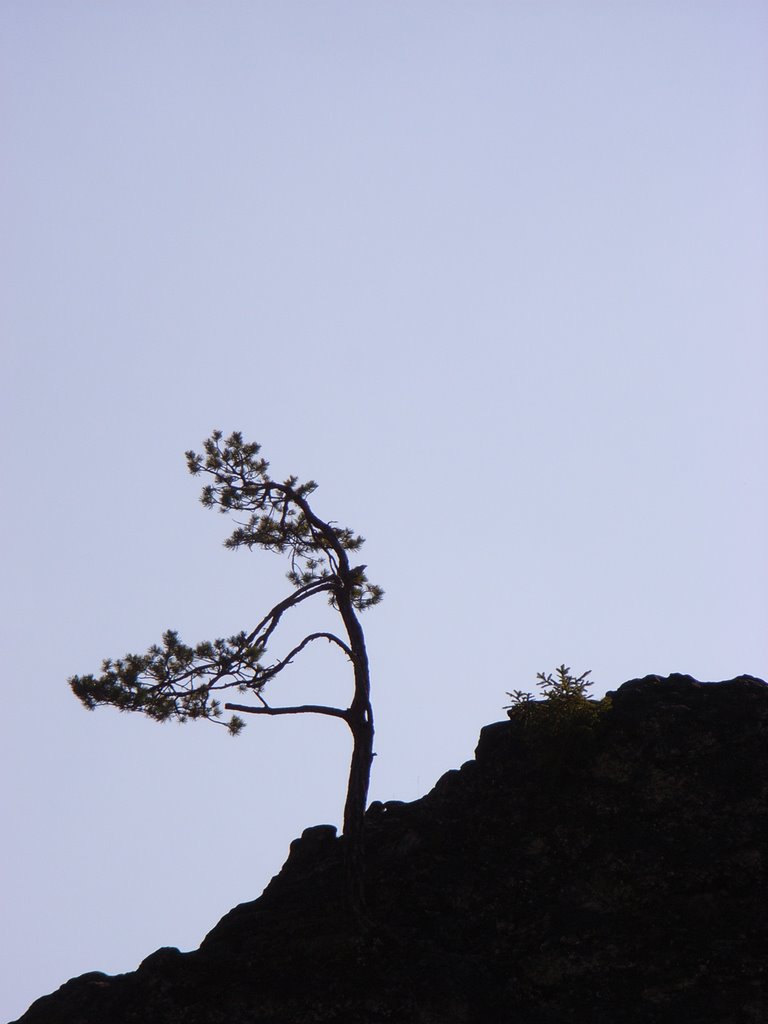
column 493, row 273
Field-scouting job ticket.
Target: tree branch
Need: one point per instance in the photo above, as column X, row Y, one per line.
column 330, row 637
column 325, row 528
column 303, row 709
column 266, row 674
column 273, row 616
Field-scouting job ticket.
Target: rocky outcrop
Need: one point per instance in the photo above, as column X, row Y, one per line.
column 609, row 873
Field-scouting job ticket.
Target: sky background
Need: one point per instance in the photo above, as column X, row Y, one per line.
column 492, row 273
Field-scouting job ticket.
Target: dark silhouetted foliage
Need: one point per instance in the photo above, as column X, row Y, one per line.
column 566, row 711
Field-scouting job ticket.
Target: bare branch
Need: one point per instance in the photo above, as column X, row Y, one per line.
column 265, row 674
column 272, row 618
column 302, row 709
column 330, row 637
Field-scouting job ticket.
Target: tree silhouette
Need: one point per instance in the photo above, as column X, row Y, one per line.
column 176, row 681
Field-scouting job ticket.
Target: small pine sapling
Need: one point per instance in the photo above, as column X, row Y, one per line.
column 566, row 708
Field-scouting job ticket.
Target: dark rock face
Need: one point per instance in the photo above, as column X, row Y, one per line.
column 616, row 874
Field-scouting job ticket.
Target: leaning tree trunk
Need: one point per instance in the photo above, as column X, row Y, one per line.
column 360, row 721
column 354, row 811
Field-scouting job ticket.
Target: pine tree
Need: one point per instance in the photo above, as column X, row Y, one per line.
column 176, row 681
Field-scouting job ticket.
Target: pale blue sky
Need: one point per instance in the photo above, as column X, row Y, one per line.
column 494, row 274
